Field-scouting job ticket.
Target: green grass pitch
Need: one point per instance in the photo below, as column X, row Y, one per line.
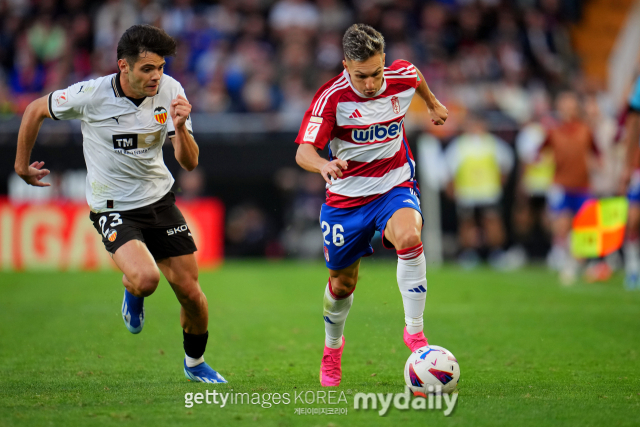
column 530, row 352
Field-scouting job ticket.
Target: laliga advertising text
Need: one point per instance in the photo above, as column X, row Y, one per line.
column 337, row 400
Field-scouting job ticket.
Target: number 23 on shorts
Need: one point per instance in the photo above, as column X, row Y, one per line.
column 116, row 221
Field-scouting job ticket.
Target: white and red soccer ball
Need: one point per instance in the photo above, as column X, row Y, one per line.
column 431, row 369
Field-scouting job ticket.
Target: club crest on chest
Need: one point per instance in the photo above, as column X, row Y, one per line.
column 160, row 114
column 395, row 103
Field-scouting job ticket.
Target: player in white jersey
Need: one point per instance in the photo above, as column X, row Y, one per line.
column 370, row 182
column 126, row 118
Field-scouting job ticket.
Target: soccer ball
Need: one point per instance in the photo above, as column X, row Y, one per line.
column 429, row 368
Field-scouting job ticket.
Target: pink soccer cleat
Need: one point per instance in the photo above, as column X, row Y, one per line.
column 330, row 369
column 414, row 341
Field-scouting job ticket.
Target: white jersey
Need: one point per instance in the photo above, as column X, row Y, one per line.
column 122, row 142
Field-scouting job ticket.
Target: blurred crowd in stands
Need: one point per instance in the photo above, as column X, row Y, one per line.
column 272, row 55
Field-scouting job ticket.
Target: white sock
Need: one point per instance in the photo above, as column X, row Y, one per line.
column 632, row 256
column 335, row 315
column 412, row 281
column 191, row 362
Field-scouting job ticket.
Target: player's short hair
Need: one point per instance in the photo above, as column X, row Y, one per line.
column 145, row 38
column 361, row 42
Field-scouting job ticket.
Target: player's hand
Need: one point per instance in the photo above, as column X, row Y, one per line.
column 438, row 113
column 179, row 110
column 333, row 169
column 34, row 174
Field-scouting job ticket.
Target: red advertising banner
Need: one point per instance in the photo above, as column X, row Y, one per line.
column 60, row 235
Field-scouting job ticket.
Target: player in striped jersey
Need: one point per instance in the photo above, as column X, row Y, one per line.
column 370, row 179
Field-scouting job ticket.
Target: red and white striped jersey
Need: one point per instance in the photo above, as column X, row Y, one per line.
column 367, row 132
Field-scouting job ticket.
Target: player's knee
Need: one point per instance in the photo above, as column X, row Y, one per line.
column 407, row 240
column 187, row 289
column 146, row 282
column 193, row 294
column 343, row 286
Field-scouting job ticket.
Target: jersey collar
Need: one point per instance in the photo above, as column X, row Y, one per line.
column 361, row 95
column 119, row 93
column 115, row 85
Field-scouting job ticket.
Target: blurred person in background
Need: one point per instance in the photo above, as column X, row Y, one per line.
column 535, row 177
column 631, row 249
column 605, row 176
column 6, row 106
column 334, row 15
column 28, row 76
column 112, row 19
column 479, row 164
column 304, row 194
column 294, row 19
column 544, row 44
column 191, row 185
column 247, row 231
column 574, row 150
column 630, row 182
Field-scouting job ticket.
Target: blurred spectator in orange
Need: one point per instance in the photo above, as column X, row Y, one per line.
column 573, row 147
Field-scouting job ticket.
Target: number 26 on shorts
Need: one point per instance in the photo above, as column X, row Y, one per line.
column 338, row 239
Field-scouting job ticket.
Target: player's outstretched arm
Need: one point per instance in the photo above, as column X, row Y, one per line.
column 309, row 159
column 437, row 111
column 32, row 119
column 184, row 145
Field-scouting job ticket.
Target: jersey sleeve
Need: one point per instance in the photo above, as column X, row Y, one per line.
column 70, row 103
column 170, row 129
column 634, row 99
column 319, row 120
column 403, row 72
